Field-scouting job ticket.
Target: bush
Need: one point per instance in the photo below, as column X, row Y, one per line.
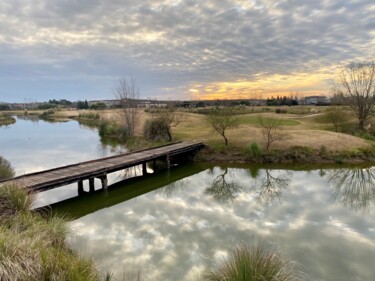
column 6, row 170
column 254, row 150
column 252, row 263
column 111, row 129
column 156, row 130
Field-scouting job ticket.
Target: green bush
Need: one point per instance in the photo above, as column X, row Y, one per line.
column 111, row 129
column 6, row 170
column 254, row 150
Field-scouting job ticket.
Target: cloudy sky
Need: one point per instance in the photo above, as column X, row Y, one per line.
column 179, row 49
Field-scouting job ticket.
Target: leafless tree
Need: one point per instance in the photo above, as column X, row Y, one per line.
column 127, row 92
column 271, row 130
column 222, row 120
column 356, row 81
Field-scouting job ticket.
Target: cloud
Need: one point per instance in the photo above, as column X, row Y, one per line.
column 175, row 44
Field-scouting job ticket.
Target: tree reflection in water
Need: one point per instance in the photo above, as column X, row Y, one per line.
column 354, row 187
column 223, row 190
column 269, row 186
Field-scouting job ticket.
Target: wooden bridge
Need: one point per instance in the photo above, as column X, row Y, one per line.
column 99, row 168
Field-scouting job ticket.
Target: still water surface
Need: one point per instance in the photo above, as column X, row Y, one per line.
column 174, row 224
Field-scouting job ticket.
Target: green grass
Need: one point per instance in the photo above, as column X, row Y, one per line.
column 253, row 262
column 254, row 120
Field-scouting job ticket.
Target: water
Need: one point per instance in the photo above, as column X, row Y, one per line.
column 32, row 145
column 174, row 224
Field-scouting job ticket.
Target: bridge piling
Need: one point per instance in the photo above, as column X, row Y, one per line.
column 92, row 184
column 144, row 168
column 80, row 186
column 104, row 182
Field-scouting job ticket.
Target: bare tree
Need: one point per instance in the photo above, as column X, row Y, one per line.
column 356, row 82
column 222, row 120
column 127, row 92
column 271, row 130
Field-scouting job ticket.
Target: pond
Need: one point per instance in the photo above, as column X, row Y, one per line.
column 173, row 224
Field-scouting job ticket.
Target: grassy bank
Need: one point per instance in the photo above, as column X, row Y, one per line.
column 253, row 153
column 33, row 247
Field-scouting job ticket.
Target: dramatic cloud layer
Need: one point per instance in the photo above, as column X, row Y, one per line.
column 178, row 49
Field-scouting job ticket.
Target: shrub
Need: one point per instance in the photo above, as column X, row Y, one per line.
column 111, row 129
column 254, row 150
column 323, row 152
column 6, row 170
column 252, row 263
column 156, row 130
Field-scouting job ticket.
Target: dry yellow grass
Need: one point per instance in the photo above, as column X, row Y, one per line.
column 195, row 127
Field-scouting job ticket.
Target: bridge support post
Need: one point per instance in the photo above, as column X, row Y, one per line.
column 104, row 181
column 92, row 184
column 168, row 162
column 80, row 187
column 144, row 169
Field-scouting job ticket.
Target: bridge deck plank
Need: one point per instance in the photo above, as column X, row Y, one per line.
column 99, row 167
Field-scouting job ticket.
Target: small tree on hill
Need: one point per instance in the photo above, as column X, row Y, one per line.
column 336, row 116
column 223, row 119
column 271, row 130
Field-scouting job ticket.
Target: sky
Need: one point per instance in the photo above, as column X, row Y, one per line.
column 179, row 50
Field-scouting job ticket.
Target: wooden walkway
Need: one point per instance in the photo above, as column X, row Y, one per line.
column 99, row 168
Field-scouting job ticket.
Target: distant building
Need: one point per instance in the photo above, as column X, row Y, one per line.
column 108, row 103
column 316, row 100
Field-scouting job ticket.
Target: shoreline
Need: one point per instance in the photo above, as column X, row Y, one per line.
column 291, row 156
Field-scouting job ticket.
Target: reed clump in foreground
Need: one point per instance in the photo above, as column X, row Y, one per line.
column 253, row 262
column 33, row 247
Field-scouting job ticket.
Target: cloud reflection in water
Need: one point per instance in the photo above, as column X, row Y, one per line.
column 174, row 233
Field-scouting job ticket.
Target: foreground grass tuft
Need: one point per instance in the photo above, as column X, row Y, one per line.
column 33, row 247
column 252, row 262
